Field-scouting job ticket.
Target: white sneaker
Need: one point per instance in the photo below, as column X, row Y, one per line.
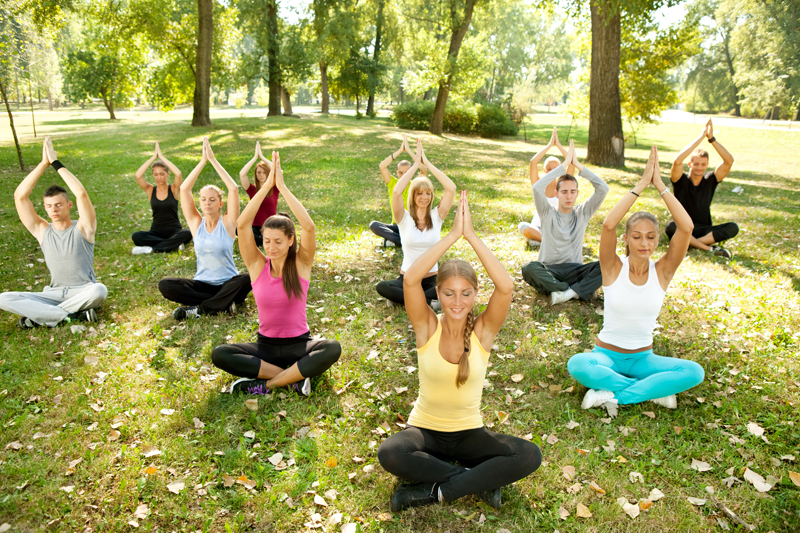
column 522, row 226
column 670, row 402
column 559, row 297
column 596, row 398
column 182, row 247
column 388, row 244
column 534, row 243
column 436, row 305
column 611, row 407
column 138, row 250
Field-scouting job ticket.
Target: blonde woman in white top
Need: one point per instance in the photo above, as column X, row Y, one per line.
column 622, row 368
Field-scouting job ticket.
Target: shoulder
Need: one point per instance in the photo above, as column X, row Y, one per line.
column 435, row 216
column 710, row 176
column 251, row 190
column 405, row 219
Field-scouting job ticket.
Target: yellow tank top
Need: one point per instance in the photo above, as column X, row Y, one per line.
column 441, row 405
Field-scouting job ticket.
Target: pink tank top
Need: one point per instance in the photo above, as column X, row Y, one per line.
column 279, row 316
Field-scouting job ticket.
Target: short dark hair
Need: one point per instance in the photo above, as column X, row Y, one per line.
column 562, row 179
column 55, row 190
column 159, row 163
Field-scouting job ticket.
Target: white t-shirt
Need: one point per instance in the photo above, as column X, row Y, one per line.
column 416, row 242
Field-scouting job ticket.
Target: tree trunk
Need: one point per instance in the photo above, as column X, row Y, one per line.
column 286, row 99
column 201, row 115
column 402, row 96
column 273, row 51
column 49, row 99
column 457, row 37
column 109, row 103
column 375, row 55
column 33, row 119
column 606, row 142
column 323, row 74
column 16, row 83
column 737, row 110
column 13, row 129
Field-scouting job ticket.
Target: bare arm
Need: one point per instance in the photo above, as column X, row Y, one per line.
column 384, row 166
column 253, row 258
column 190, row 213
column 677, row 164
column 246, row 169
column 87, row 218
column 140, row 181
column 398, row 209
column 22, row 199
column 449, row 194
column 676, row 251
column 308, row 239
column 176, row 184
column 232, row 213
column 570, row 167
column 721, row 172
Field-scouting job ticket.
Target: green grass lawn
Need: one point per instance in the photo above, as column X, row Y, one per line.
column 139, row 381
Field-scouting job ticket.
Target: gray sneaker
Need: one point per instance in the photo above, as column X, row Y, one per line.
column 719, row 251
column 436, row 305
column 302, row 387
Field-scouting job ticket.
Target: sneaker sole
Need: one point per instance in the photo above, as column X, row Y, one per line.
column 240, row 380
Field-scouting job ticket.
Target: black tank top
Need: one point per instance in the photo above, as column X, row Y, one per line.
column 165, row 213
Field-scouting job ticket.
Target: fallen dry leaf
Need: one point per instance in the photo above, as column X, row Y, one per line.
column 651, row 414
column 167, row 412
column 330, row 463
column 572, row 424
column 795, row 477
column 700, row 466
column 16, row 445
column 176, row 487
column 319, row 500
column 757, row 481
column 755, row 429
column 630, row 509
column 142, row 511
column 552, row 439
column 516, row 378
column 251, row 404
column 227, row 480
column 596, row 487
column 385, row 517
column 635, row 476
column 250, row 434
column 583, row 512
column 350, row 527
column 655, row 495
column 563, row 513
column 113, row 435
column 198, row 424
column 696, row 501
column 569, row 472
column 644, row 505
column 574, row 489
column 275, row 459
column 150, row 451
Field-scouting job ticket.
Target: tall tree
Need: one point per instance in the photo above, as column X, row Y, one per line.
column 273, row 51
column 459, row 21
column 321, row 11
column 375, row 58
column 201, row 112
column 10, row 44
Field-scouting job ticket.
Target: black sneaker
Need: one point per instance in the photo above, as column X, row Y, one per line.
column 302, row 387
column 721, row 252
column 232, row 309
column 26, row 323
column 183, row 313
column 250, row 386
column 492, row 497
column 87, row 315
column 414, row 495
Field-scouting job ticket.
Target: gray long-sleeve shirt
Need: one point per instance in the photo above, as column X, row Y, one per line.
column 562, row 233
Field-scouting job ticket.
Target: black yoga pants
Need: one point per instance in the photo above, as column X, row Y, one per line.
column 584, row 279
column 487, row 460
column 393, row 289
column 160, row 242
column 390, row 232
column 244, row 360
column 721, row 232
column 212, row 299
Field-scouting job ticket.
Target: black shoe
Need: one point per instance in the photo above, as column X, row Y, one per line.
column 492, row 497
column 232, row 309
column 414, row 495
column 719, row 251
column 26, row 323
column 302, row 387
column 182, row 313
column 87, row 315
column 250, row 386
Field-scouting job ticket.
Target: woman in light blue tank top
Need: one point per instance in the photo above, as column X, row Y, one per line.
column 622, row 368
column 217, row 287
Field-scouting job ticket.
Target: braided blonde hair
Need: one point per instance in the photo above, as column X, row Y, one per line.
column 461, row 269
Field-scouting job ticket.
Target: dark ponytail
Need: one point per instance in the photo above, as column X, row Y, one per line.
column 291, row 279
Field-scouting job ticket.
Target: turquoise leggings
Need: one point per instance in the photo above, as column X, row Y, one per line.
column 634, row 377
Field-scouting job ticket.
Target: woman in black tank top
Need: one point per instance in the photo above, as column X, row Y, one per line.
column 166, row 233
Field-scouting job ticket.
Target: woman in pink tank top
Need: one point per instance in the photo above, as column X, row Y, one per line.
column 284, row 354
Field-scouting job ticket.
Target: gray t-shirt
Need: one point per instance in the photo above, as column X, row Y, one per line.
column 562, row 233
column 69, row 256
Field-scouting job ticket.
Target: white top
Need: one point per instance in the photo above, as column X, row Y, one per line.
column 630, row 311
column 416, row 242
column 536, row 223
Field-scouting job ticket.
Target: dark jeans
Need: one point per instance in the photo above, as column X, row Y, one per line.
column 212, row 299
column 244, row 360
column 721, row 232
column 393, row 289
column 584, row 279
column 162, row 243
column 390, row 232
column 494, row 460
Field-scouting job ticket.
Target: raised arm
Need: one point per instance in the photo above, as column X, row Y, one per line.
column 232, row 213
column 721, row 172
column 22, row 198
column 190, row 213
column 308, row 238
column 140, row 179
column 246, row 169
column 253, row 258
column 398, row 209
column 536, row 159
column 570, row 167
column 489, row 322
column 679, row 244
column 449, row 194
column 178, row 179
column 384, row 165
column 677, row 164
column 87, row 219
column 600, row 187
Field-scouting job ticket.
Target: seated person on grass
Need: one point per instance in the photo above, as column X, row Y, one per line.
column 217, row 286
column 695, row 191
column 166, row 233
column 270, row 204
column 533, row 231
column 285, row 354
column 68, row 248
column 390, row 232
column 560, row 271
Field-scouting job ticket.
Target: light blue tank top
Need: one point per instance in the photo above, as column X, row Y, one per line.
column 214, row 253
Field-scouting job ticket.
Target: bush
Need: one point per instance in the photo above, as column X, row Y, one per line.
column 414, row 115
column 492, row 121
column 459, row 117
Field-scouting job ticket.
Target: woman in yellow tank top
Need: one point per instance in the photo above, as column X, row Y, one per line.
column 445, row 426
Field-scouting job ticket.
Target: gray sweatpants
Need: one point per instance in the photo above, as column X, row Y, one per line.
column 52, row 305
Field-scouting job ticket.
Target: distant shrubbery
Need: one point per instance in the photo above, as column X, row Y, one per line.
column 487, row 120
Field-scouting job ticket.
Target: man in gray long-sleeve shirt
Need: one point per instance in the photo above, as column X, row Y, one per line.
column 560, row 271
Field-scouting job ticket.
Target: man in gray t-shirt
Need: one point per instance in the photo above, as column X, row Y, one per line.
column 68, row 247
column 560, row 271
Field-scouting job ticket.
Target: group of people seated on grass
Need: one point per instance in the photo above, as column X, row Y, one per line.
column 445, row 452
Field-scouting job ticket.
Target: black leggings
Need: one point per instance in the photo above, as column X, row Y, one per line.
column 393, row 289
column 244, row 360
column 212, row 299
column 722, row 232
column 162, row 242
column 390, row 232
column 490, row 460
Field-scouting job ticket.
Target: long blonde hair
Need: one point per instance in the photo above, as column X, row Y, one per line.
column 420, row 184
column 461, row 269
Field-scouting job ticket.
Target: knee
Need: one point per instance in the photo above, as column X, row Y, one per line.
column 98, row 293
column 732, row 229
column 390, row 455
column 383, row 289
column 164, row 285
column 373, row 226
column 332, row 352
column 694, row 373
column 670, row 229
column 219, row 355
column 577, row 365
column 530, row 458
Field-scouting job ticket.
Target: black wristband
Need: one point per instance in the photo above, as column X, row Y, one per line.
column 632, row 192
column 57, row 165
column 712, row 139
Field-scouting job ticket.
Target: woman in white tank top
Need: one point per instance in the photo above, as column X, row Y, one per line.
column 622, row 368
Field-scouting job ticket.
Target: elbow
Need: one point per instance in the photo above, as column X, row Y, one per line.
column 504, row 286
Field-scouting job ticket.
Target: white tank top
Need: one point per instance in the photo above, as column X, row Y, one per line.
column 630, row 311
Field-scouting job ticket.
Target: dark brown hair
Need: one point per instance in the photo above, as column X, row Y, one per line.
column 159, row 163
column 291, row 279
column 565, row 177
column 633, row 219
column 55, row 190
column 461, row 269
